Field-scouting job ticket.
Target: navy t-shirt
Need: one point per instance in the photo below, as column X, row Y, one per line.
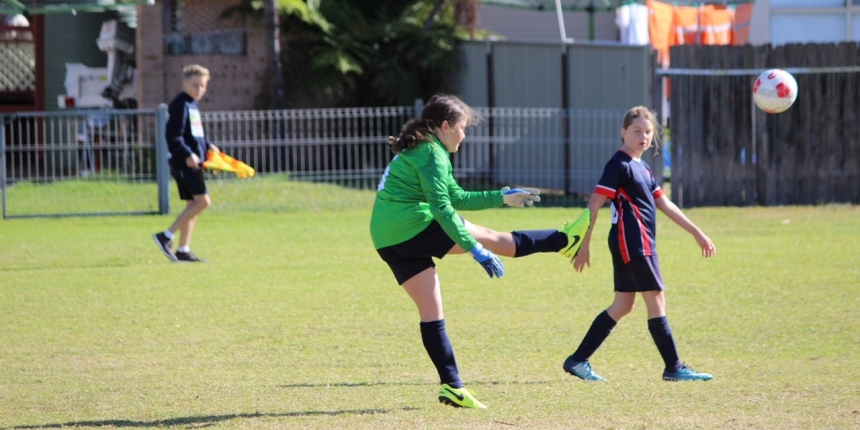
column 631, row 187
column 184, row 130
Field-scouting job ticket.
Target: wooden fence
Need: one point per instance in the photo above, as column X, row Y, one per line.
column 725, row 152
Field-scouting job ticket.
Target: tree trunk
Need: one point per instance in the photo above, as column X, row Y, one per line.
column 429, row 21
column 273, row 39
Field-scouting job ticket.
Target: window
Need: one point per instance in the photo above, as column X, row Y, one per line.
column 855, row 27
column 807, row 28
column 195, row 27
column 814, row 21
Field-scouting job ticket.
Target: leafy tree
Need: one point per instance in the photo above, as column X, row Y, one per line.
column 370, row 52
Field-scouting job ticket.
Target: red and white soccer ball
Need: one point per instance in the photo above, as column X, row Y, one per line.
column 774, row 91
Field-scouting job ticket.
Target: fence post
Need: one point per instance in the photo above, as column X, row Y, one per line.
column 161, row 167
column 3, row 161
column 491, row 104
column 566, row 117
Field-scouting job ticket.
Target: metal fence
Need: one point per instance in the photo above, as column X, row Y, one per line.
column 114, row 162
column 79, row 163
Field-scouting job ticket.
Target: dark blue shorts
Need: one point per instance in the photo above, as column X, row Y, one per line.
column 414, row 256
column 642, row 273
column 189, row 181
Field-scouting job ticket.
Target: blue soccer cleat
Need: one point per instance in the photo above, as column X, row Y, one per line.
column 581, row 369
column 686, row 374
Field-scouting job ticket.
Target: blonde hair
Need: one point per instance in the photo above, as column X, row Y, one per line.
column 193, row 70
column 440, row 108
column 647, row 113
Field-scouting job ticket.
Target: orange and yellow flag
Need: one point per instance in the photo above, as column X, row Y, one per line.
column 219, row 161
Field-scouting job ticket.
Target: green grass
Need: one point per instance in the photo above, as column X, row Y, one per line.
column 107, row 193
column 296, row 323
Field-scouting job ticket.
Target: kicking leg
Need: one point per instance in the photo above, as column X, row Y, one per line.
column 515, row 244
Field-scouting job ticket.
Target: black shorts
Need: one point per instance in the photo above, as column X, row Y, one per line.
column 642, row 273
column 414, row 256
column 189, row 181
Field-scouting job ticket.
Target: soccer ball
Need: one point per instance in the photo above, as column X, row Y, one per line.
column 774, row 91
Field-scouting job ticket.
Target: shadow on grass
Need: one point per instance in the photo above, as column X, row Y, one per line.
column 375, row 384
column 205, row 421
column 96, row 265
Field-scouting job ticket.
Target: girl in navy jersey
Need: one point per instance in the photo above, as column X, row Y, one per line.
column 628, row 182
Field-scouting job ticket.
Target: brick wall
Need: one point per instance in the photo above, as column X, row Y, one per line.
column 236, row 79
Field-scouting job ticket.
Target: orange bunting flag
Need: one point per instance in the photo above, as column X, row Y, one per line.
column 219, row 161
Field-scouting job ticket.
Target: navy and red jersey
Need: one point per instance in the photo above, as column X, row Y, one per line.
column 632, row 188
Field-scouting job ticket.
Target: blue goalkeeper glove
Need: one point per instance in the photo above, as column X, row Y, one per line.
column 520, row 197
column 489, row 261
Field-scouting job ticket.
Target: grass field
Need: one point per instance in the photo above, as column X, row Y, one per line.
column 108, row 193
column 295, row 323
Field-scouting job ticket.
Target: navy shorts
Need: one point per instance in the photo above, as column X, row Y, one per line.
column 642, row 273
column 189, row 181
column 414, row 256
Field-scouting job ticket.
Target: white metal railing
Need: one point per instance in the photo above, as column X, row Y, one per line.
column 91, row 162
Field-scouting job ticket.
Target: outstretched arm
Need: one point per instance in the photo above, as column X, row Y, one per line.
column 674, row 213
column 583, row 258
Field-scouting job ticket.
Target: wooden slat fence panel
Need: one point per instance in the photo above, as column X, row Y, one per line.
column 727, row 153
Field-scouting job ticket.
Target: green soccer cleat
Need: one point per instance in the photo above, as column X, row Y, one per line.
column 686, row 374
column 575, row 232
column 459, row 398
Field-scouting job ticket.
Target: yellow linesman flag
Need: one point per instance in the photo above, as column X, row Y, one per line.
column 219, row 161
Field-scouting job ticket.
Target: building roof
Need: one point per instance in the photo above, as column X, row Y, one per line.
column 126, row 9
column 38, row 7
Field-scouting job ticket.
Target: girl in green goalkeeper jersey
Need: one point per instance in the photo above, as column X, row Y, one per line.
column 415, row 219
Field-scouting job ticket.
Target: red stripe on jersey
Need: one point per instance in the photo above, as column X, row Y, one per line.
column 605, row 191
column 622, row 244
column 658, row 193
column 643, row 232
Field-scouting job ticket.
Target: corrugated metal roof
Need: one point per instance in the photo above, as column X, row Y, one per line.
column 38, row 7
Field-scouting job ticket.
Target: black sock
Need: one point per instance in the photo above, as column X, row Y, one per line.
column 531, row 241
column 441, row 353
column 599, row 331
column 662, row 335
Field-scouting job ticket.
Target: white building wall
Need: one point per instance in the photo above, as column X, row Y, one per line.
column 760, row 23
column 542, row 25
column 804, row 21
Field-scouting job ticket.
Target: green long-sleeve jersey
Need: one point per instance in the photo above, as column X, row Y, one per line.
column 417, row 187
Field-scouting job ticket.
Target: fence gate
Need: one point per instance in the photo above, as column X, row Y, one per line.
column 86, row 162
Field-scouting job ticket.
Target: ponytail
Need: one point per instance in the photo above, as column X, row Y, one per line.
column 440, row 108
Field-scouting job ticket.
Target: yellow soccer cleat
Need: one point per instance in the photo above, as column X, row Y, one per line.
column 459, row 398
column 575, row 232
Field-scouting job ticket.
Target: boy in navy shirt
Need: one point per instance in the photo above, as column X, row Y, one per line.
column 628, row 182
column 187, row 145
